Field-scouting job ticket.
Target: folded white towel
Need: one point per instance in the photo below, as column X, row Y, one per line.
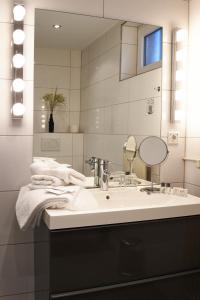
column 46, row 180
column 60, row 171
column 31, row 204
column 50, row 162
column 39, row 186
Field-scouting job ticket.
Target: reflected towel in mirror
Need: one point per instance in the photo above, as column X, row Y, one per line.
column 68, row 175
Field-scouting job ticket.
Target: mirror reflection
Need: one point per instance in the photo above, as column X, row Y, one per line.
column 96, row 83
column 130, row 150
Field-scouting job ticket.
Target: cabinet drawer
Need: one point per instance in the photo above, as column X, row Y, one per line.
column 99, row 256
column 177, row 288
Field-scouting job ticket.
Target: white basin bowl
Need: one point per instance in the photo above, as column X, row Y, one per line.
column 122, row 198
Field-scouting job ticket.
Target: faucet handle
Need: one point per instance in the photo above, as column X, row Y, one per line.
column 91, row 162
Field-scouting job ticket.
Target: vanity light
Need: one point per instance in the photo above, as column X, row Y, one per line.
column 18, row 85
column 18, row 37
column 179, row 59
column 180, row 35
column 18, row 61
column 57, row 26
column 180, row 76
column 43, row 121
column 180, row 55
column 179, row 95
column 19, row 12
column 18, row 109
column 179, row 115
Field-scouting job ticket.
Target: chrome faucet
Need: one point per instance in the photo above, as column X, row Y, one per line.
column 101, row 174
column 104, row 174
column 94, row 163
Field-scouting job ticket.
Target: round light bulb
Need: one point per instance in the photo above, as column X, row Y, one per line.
column 18, row 36
column 18, row 85
column 19, row 12
column 18, row 61
column 18, row 109
column 57, row 26
column 181, row 35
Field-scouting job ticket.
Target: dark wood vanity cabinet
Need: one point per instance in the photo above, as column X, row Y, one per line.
column 144, row 260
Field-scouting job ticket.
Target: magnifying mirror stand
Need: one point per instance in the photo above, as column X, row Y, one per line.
column 131, row 166
column 150, row 189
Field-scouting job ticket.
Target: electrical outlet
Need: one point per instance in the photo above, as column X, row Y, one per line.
column 173, row 137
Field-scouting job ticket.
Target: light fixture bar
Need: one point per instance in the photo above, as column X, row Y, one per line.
column 18, row 61
column 178, row 80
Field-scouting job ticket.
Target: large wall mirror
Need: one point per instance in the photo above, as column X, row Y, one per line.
column 101, row 80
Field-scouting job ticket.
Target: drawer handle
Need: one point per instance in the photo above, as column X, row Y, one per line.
column 126, row 243
column 127, row 274
column 129, row 244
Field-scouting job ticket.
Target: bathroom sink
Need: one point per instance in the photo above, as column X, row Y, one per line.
column 133, row 198
column 122, row 205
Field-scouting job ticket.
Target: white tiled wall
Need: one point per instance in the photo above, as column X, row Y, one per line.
column 128, row 51
column 16, row 253
column 57, row 68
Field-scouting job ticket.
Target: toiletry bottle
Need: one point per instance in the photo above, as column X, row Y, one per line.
column 162, row 187
column 168, row 188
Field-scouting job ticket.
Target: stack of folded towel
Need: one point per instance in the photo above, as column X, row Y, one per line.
column 53, row 185
column 51, row 173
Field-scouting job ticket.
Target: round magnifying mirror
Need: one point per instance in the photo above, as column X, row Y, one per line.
column 153, row 150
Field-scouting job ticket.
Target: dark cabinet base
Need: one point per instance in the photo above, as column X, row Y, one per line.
column 186, row 287
column 155, row 260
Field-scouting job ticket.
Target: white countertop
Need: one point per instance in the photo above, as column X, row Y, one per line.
column 125, row 205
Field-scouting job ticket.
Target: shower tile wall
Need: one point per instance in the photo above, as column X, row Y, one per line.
column 16, row 247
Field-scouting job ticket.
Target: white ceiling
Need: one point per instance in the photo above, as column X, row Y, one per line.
column 77, row 31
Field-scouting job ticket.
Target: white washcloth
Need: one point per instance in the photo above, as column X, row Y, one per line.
column 46, row 180
column 60, row 171
column 31, row 204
